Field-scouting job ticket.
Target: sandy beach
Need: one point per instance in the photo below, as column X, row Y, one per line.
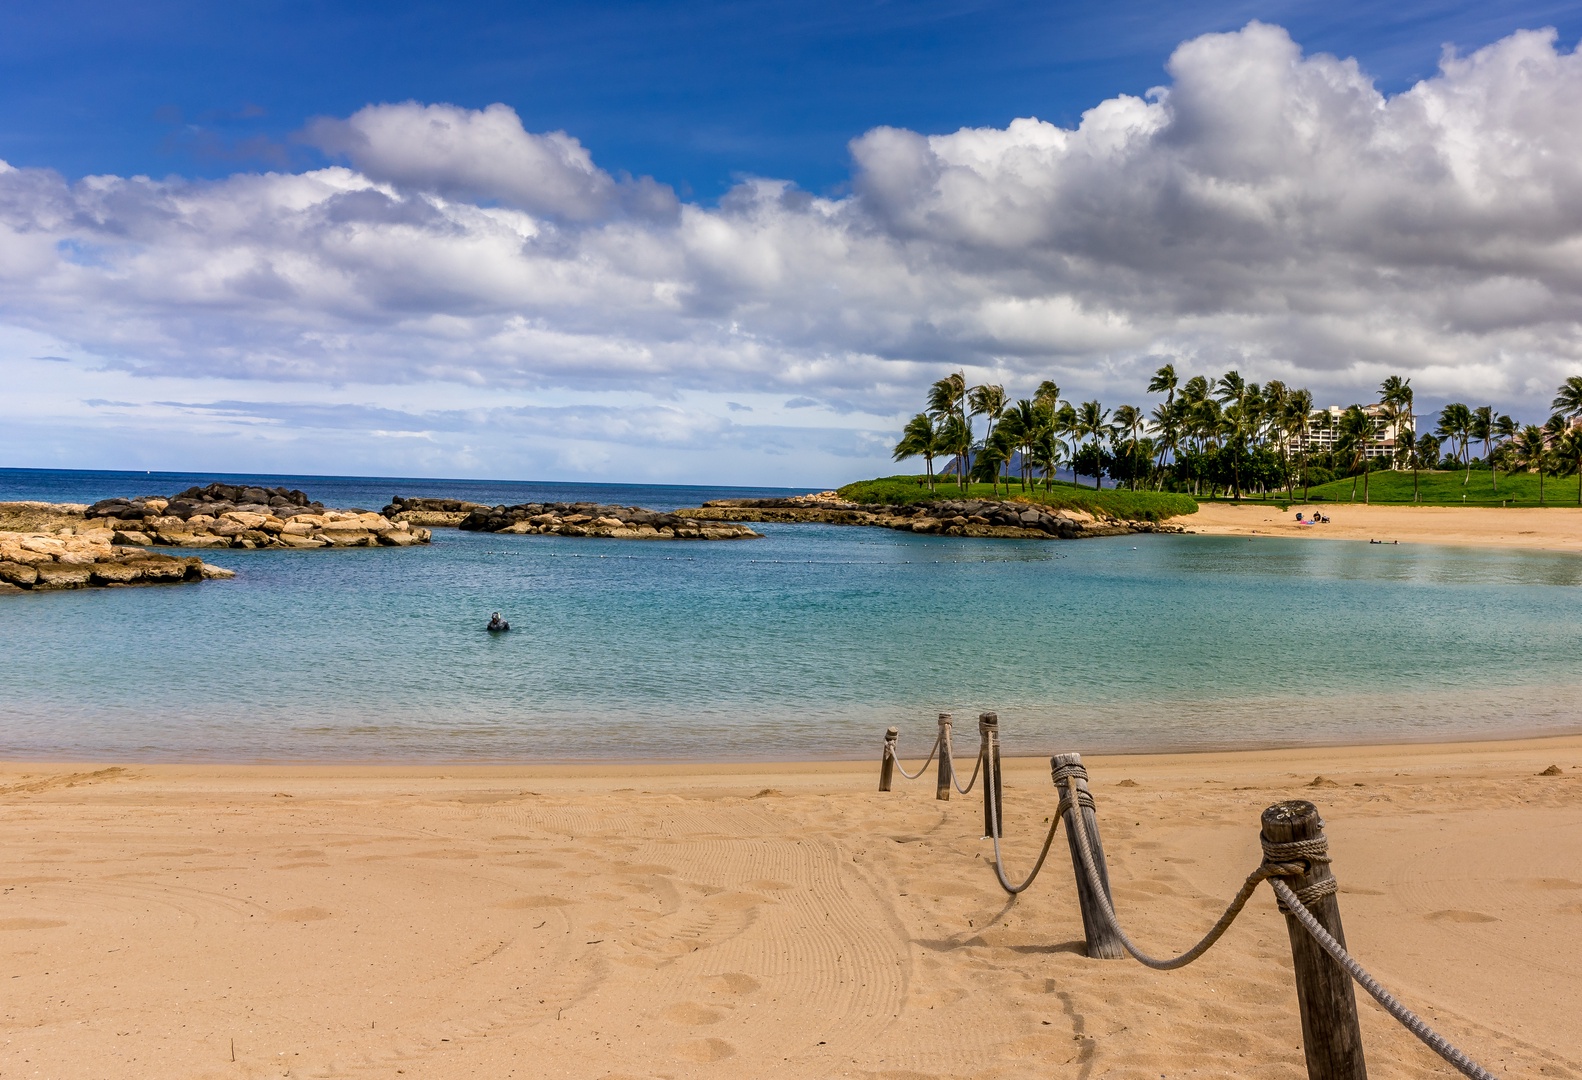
column 767, row 920
column 1547, row 528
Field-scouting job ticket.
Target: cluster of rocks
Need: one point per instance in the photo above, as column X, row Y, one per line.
column 225, row 515
column 595, row 519
column 431, row 512
column 80, row 559
column 948, row 517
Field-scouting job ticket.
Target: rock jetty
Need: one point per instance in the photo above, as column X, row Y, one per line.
column 431, row 512
column 229, row 516
column 87, row 558
column 1006, row 519
column 595, row 519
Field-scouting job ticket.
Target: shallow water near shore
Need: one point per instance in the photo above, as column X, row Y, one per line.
column 803, row 645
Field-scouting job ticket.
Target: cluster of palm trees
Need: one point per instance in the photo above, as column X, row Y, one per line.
column 1552, row 448
column 1228, row 434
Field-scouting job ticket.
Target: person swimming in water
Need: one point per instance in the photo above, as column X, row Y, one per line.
column 497, row 625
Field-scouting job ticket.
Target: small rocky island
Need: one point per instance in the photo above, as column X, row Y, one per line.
column 228, row 516
column 566, row 519
column 71, row 546
column 72, row 558
column 1005, row 519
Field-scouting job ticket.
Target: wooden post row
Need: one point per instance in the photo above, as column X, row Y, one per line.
column 942, row 788
column 993, row 813
column 1102, row 941
column 1325, row 997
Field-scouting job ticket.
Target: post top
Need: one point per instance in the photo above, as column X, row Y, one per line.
column 1065, row 759
column 945, row 717
column 991, row 719
column 891, row 732
column 1296, row 819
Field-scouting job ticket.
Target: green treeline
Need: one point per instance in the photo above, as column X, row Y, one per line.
column 1230, row 438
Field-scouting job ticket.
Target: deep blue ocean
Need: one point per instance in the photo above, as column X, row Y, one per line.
column 805, row 644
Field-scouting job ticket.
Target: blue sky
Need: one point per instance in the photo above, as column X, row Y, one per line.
column 732, row 242
column 693, row 94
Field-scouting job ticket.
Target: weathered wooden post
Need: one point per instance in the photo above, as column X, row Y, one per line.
column 993, row 803
column 1102, row 941
column 1294, row 833
column 887, row 763
column 946, row 774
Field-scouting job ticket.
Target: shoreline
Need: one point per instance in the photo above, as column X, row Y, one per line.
column 600, row 767
column 1550, row 528
column 783, row 920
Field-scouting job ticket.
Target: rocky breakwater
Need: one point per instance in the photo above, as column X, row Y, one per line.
column 594, row 519
column 228, row 516
column 432, row 512
column 1001, row 518
column 86, row 558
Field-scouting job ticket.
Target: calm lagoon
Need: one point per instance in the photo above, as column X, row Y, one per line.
column 805, row 644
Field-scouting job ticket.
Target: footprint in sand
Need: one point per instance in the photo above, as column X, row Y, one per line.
column 735, row 982
column 692, row 1015
column 522, row 902
column 304, row 914
column 704, row 1051
column 1454, row 915
column 30, row 924
column 1551, row 883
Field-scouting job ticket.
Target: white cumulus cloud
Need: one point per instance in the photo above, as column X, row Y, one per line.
column 1263, row 209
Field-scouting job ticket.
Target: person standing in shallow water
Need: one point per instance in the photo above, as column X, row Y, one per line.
column 497, row 624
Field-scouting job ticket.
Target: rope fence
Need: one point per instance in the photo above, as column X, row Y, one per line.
column 1296, row 864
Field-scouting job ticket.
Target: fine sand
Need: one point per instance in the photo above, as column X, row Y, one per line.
column 1551, row 528
column 764, row 920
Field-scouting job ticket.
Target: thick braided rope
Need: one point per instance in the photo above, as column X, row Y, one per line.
column 913, row 776
column 1291, row 902
column 994, row 834
column 976, row 765
column 1239, row 901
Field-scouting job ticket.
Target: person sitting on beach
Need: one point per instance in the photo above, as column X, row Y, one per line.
column 497, row 624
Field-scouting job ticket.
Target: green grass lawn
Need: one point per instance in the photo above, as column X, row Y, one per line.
column 1446, row 489
column 1130, row 505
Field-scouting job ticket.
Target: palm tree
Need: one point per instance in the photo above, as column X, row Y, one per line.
column 1295, row 424
column 1166, row 421
column 1356, row 428
column 1164, row 382
column 1505, row 429
column 1569, row 450
column 987, row 401
column 991, row 457
column 1092, row 423
column 1532, row 451
column 1396, row 394
column 1482, row 429
column 1047, row 393
column 1455, row 424
column 1047, row 447
column 1065, row 427
column 1425, row 455
column 920, row 438
column 955, row 437
column 1568, row 398
column 947, row 401
column 1129, row 420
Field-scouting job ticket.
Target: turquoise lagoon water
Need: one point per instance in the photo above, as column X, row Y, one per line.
column 805, row 644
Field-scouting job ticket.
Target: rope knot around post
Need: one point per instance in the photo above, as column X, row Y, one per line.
column 1298, row 858
column 1063, row 767
column 887, row 762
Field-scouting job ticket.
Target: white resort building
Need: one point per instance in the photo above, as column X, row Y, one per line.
column 1323, row 432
